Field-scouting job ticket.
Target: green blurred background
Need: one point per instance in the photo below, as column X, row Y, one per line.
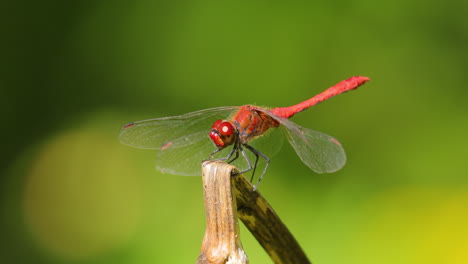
column 73, row 72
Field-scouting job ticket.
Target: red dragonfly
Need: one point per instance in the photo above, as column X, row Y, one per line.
column 184, row 141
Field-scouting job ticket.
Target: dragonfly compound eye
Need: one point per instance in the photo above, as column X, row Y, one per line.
column 223, row 133
column 216, row 124
column 226, row 129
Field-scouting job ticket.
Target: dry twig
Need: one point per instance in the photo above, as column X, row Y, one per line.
column 223, row 203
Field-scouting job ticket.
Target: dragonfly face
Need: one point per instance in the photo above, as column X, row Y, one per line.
column 223, row 133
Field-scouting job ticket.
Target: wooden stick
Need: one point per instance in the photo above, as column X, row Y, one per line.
column 257, row 215
column 221, row 243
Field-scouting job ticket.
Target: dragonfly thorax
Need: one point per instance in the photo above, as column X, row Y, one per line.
column 223, row 133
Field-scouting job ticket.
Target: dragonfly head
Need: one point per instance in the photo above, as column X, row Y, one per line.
column 223, row 133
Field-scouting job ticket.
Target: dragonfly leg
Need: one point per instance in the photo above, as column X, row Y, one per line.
column 255, row 166
column 212, row 153
column 246, row 159
column 235, row 149
column 239, row 148
column 267, row 160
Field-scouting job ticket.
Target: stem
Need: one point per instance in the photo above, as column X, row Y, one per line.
column 221, row 243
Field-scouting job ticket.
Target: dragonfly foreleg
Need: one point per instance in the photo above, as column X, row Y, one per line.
column 235, row 149
column 212, row 153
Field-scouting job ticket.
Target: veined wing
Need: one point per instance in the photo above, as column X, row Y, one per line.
column 182, row 142
column 158, row 133
column 320, row 152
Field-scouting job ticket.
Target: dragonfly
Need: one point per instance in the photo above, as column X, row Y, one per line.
column 183, row 142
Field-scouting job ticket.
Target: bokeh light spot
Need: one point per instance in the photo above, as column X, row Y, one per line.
column 79, row 198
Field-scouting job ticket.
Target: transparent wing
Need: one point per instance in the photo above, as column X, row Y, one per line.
column 320, row 152
column 268, row 144
column 182, row 142
column 184, row 157
column 159, row 132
